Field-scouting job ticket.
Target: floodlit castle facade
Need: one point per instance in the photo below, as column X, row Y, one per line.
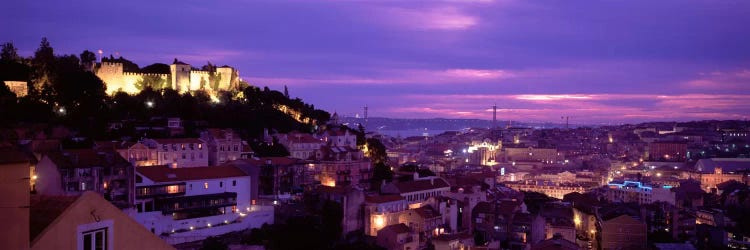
column 181, row 78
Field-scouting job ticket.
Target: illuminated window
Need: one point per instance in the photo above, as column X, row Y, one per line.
column 173, row 189
column 205, row 185
column 200, row 145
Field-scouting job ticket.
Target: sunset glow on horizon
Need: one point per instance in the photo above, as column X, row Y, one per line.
column 600, row 62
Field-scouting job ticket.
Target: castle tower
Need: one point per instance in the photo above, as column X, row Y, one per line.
column 180, row 76
column 111, row 74
column 228, row 77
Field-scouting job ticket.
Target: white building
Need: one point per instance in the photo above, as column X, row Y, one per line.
column 189, row 204
column 179, row 152
column 633, row 191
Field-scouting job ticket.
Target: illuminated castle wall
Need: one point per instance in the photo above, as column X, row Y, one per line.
column 181, row 78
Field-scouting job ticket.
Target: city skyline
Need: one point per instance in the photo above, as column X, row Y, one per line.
column 607, row 62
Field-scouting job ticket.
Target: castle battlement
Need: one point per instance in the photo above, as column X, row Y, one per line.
column 145, row 74
column 111, row 64
column 181, row 78
column 200, row 72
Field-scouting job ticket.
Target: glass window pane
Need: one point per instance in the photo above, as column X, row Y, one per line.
column 87, row 242
column 99, row 240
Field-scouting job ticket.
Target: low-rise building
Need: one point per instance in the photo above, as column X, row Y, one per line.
column 224, row 145
column 179, row 203
column 397, row 237
column 179, row 152
column 382, row 211
column 633, row 191
column 72, row 172
column 623, row 232
column 419, row 190
column 551, row 189
column 86, row 222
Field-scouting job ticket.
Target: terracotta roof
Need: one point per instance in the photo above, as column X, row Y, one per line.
column 43, row 146
column 278, row 161
column 427, row 212
column 399, row 228
column 221, row 134
column 556, row 244
column 177, row 140
column 79, row 158
column 383, row 198
column 45, row 209
column 302, row 138
column 332, row 190
column 113, row 144
column 13, row 156
column 420, row 185
column 163, row 173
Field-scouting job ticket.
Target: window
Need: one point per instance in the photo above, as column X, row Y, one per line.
column 236, row 148
column 205, row 185
column 95, row 236
column 190, row 186
column 173, row 189
column 221, row 184
column 183, row 146
column 200, row 146
column 95, row 239
column 183, row 155
column 234, row 183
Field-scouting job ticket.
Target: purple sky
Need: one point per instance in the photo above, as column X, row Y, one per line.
column 597, row 62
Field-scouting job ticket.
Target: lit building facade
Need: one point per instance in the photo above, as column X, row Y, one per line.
column 179, row 152
column 709, row 181
column 550, row 189
column 382, row 211
column 633, row 191
column 197, row 201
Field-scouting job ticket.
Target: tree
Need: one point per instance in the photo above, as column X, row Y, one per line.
column 7, row 104
column 87, row 59
column 9, row 53
column 156, row 68
column 286, row 91
column 376, row 151
column 150, row 81
column 380, row 173
column 44, row 57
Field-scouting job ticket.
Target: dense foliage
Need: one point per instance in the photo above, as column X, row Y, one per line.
column 63, row 90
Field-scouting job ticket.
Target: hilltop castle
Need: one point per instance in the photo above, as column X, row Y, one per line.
column 182, row 78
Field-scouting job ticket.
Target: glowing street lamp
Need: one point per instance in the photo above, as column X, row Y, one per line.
column 150, row 104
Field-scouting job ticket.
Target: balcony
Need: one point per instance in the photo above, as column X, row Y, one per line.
column 160, row 191
column 196, row 203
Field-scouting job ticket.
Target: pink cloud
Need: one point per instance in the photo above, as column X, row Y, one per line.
column 583, row 108
column 447, row 18
column 407, row 76
column 726, row 80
